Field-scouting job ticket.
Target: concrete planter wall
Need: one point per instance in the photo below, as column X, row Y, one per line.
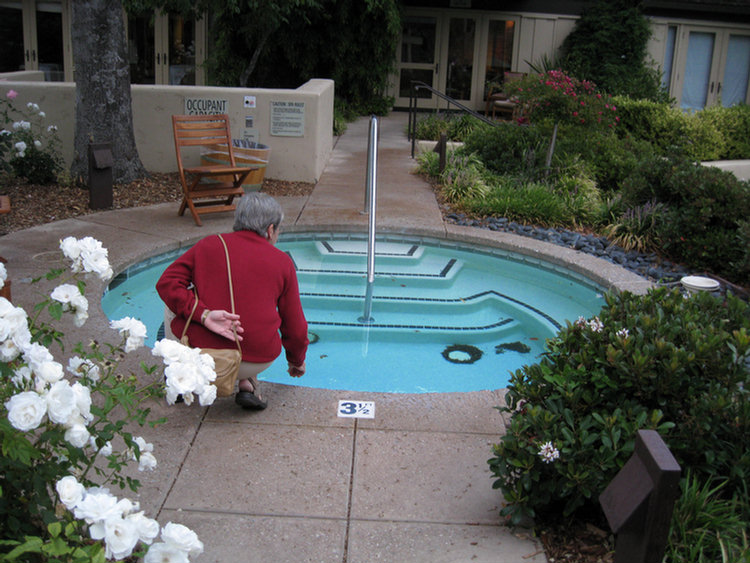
column 301, row 146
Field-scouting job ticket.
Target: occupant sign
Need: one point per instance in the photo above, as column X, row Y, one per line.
column 356, row 409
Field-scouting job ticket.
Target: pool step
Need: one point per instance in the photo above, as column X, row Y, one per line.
column 487, row 311
column 347, row 260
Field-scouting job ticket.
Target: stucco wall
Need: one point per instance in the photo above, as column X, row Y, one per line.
column 300, row 146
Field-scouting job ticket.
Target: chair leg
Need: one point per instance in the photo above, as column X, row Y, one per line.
column 194, row 212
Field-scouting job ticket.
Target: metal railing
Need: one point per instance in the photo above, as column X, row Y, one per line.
column 416, row 85
column 371, row 188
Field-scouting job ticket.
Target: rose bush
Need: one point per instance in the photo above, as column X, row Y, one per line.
column 28, row 147
column 66, row 436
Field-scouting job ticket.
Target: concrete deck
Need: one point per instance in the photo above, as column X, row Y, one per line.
column 296, row 482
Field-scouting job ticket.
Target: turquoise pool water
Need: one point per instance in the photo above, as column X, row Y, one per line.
column 445, row 316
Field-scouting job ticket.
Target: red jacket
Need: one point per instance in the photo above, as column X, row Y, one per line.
column 266, row 296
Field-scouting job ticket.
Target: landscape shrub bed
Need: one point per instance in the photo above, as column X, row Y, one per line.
column 661, row 361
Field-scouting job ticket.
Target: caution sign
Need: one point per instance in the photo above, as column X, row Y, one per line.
column 288, row 119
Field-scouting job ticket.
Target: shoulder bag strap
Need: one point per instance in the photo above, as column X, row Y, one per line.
column 231, row 297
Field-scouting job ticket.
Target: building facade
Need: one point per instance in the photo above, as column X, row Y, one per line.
column 460, row 47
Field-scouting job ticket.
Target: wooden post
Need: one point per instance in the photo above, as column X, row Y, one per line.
column 638, row 503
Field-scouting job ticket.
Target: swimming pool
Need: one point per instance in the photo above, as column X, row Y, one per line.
column 445, row 316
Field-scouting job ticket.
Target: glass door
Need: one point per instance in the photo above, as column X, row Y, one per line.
column 716, row 67
column 733, row 88
column 11, row 37
column 142, row 48
column 49, row 39
column 162, row 49
column 181, row 49
column 459, row 69
column 499, row 55
column 417, row 58
column 699, row 82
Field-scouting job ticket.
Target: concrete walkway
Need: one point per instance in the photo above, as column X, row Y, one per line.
column 296, row 483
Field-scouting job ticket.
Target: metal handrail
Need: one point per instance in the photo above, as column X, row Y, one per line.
column 371, row 205
column 417, row 85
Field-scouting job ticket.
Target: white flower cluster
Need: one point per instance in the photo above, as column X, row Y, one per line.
column 121, row 525
column 73, row 301
column 87, row 255
column 548, row 452
column 594, row 324
column 3, row 275
column 133, row 330
column 188, row 372
column 623, row 333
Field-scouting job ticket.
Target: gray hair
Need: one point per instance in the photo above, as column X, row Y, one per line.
column 256, row 211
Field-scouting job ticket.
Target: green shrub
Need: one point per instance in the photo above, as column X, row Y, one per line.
column 455, row 126
column 609, row 46
column 734, row 125
column 706, row 527
column 462, row 178
column 659, row 361
column 705, row 208
column 523, row 201
column 509, row 148
column 669, row 129
column 636, row 227
column 610, row 158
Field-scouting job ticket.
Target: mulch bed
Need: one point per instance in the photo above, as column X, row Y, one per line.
column 33, row 205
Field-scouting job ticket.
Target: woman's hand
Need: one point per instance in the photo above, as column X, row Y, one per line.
column 296, row 371
column 224, row 323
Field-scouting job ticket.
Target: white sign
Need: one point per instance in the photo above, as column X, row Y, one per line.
column 288, row 119
column 251, row 135
column 249, row 101
column 356, row 409
column 205, row 106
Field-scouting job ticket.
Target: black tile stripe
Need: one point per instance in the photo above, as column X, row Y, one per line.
column 531, row 308
column 500, row 323
column 412, row 250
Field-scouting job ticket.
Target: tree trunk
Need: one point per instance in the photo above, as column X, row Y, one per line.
column 250, row 67
column 103, row 102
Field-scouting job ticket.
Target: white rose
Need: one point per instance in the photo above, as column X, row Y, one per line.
column 170, row 350
column 83, row 401
column 77, row 435
column 97, row 505
column 26, row 410
column 147, row 528
column 61, row 402
column 22, row 376
column 181, row 377
column 70, row 491
column 80, row 367
column 207, row 395
column 3, row 275
column 38, row 144
column 9, row 351
column 65, row 293
column 133, row 330
column 182, row 538
column 147, row 462
column 120, row 537
column 35, row 354
column 48, row 373
column 12, row 320
column 165, row 553
column 70, row 248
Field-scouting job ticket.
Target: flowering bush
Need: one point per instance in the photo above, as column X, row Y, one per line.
column 64, row 440
column 661, row 361
column 565, row 99
column 28, row 147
